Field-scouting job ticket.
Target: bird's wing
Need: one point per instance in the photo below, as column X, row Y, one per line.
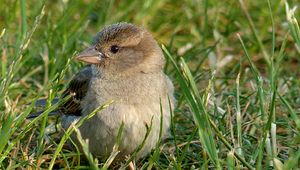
column 77, row 89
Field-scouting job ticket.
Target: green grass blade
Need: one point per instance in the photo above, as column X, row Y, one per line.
column 70, row 130
column 192, row 94
column 255, row 32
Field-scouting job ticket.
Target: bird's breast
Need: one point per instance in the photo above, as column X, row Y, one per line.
column 131, row 90
column 136, row 103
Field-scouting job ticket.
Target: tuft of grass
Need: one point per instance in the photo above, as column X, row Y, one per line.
column 196, row 102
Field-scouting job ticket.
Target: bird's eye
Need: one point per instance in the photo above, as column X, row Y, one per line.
column 114, row 49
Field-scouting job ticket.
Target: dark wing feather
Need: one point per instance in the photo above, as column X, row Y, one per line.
column 77, row 89
column 43, row 102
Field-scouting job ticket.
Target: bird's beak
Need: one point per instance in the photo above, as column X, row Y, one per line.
column 91, row 56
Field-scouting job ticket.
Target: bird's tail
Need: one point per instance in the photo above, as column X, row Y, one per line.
column 41, row 103
column 36, row 114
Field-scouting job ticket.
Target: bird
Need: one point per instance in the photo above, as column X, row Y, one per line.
column 124, row 64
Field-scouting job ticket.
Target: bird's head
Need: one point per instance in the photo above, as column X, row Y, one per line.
column 122, row 48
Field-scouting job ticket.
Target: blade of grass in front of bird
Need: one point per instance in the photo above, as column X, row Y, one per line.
column 70, row 130
column 85, row 148
column 115, row 150
column 65, row 156
column 41, row 145
column 76, row 150
column 192, row 95
column 140, row 146
column 155, row 156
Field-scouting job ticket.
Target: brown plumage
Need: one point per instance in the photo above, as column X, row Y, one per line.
column 126, row 65
column 77, row 88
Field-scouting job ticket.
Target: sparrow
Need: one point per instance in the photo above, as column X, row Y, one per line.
column 125, row 64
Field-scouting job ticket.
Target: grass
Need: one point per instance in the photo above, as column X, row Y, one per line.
column 234, row 64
